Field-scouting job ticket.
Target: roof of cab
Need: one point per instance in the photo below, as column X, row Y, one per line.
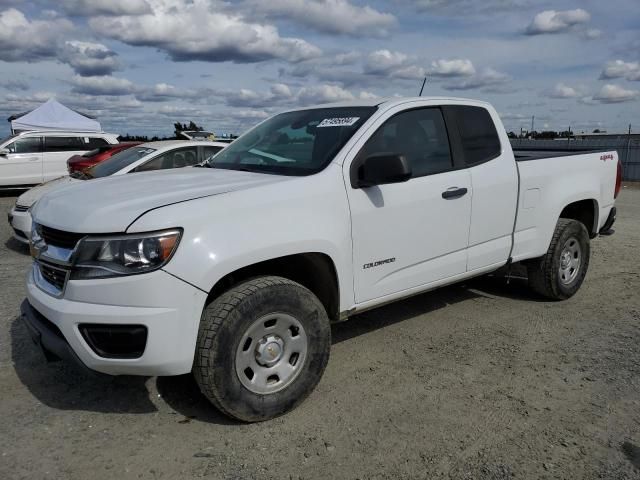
column 389, row 101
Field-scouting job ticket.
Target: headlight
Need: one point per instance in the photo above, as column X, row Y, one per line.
column 100, row 257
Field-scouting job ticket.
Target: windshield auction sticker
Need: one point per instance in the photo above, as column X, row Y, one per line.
column 338, row 122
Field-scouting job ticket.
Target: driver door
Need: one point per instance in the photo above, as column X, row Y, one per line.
column 410, row 234
column 22, row 163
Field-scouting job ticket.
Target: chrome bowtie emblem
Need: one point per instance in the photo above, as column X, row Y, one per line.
column 38, row 245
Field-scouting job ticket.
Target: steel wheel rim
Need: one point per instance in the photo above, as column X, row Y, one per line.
column 570, row 261
column 271, row 353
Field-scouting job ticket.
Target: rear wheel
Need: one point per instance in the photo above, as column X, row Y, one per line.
column 560, row 272
column 262, row 348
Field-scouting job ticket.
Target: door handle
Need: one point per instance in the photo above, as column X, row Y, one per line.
column 453, row 193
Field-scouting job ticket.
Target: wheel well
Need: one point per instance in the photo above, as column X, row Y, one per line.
column 583, row 211
column 314, row 271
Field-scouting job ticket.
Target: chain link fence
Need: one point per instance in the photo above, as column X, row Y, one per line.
column 628, row 150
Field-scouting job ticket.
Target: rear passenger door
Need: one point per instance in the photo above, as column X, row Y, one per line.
column 57, row 151
column 410, row 234
column 494, row 179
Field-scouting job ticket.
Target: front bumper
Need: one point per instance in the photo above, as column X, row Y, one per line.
column 47, row 336
column 21, row 223
column 169, row 308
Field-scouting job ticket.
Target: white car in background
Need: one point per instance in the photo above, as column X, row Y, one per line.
column 145, row 157
column 30, row 158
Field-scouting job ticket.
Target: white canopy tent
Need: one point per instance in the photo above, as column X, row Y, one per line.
column 52, row 115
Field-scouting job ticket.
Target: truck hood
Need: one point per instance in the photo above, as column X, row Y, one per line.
column 111, row 204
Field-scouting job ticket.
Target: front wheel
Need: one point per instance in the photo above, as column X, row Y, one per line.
column 560, row 272
column 262, row 348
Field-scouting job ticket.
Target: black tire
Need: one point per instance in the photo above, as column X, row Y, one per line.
column 222, row 326
column 544, row 273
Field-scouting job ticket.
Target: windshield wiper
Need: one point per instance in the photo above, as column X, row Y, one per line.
column 205, row 165
column 80, row 175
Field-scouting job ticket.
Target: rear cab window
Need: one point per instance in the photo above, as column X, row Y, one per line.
column 478, row 137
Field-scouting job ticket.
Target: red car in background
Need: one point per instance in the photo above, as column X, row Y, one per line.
column 78, row 163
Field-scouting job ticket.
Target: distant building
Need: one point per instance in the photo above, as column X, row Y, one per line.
column 606, row 136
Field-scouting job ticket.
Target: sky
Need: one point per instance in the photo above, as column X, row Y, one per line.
column 141, row 65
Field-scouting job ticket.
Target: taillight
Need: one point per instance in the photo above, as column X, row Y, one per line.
column 618, row 180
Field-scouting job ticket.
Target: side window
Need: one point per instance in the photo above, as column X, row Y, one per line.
column 210, row 151
column 95, row 142
column 64, row 144
column 182, row 157
column 25, row 145
column 420, row 135
column 478, row 135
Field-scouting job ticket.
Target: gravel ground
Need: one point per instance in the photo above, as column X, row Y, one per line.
column 476, row 381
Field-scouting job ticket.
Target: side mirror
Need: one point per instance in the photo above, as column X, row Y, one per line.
column 4, row 152
column 380, row 169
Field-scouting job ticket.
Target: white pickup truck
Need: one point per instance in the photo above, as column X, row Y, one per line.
column 235, row 272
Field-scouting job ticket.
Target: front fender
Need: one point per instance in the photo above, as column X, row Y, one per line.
column 230, row 231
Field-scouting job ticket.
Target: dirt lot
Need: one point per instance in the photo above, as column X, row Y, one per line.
column 475, row 381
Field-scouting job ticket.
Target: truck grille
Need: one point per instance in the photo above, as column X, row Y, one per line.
column 58, row 238
column 20, row 208
column 53, row 275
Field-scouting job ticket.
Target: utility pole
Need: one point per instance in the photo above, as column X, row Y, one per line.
column 626, row 160
column 533, row 117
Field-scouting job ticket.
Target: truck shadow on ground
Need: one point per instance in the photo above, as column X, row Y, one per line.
column 64, row 387
column 15, row 246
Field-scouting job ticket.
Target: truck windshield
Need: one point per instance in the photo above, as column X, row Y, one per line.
column 293, row 143
column 118, row 162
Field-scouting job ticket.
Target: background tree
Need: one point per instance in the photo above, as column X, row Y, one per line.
column 181, row 127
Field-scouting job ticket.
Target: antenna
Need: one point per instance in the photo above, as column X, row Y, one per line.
column 422, row 88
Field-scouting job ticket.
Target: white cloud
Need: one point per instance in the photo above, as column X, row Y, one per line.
column 330, row 16
column 364, row 95
column 615, row 94
column 564, row 91
column 621, row 69
column 323, row 94
column 24, row 40
column 466, row 7
column 89, row 59
column 249, row 114
column 15, row 84
column 488, row 80
column 163, row 92
column 592, row 34
column 198, row 31
column 105, row 7
column 102, row 85
column 553, row 21
column 384, row 60
column 452, row 68
column 281, row 91
column 392, row 64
